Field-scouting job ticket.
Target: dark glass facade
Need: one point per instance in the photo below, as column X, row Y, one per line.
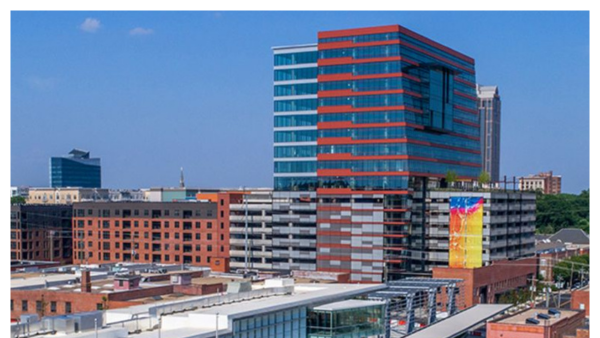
column 74, row 172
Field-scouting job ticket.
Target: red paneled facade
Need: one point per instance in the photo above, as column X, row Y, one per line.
column 395, row 111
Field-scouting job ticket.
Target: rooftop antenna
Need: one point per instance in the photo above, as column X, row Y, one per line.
column 181, row 182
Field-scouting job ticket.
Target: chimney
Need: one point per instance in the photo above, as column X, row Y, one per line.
column 86, row 281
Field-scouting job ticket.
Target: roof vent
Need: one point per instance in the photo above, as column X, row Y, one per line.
column 554, row 312
column 532, row 321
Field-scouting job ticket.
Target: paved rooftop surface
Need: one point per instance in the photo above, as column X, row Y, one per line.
column 520, row 317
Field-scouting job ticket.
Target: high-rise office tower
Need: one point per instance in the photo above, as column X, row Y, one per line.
column 488, row 102
column 75, row 170
column 364, row 119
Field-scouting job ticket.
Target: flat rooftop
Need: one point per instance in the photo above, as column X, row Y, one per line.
column 519, row 318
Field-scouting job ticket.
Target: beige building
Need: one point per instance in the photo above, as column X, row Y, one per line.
column 65, row 195
column 545, row 182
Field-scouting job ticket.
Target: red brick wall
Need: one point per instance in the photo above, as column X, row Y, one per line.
column 558, row 329
column 80, row 302
column 141, row 293
column 581, row 297
column 501, row 276
column 147, row 248
column 199, row 289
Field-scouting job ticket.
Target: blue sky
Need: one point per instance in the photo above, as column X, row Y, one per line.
column 150, row 92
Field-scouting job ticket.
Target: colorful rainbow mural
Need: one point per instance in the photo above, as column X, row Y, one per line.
column 466, row 232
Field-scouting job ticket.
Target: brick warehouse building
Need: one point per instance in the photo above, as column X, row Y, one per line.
column 194, row 233
column 41, row 233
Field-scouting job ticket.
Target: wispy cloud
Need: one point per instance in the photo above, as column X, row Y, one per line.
column 90, row 25
column 141, row 31
column 41, row 83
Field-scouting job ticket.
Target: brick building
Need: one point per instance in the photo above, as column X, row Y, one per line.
column 105, row 292
column 488, row 283
column 547, row 182
column 195, row 233
column 580, row 300
column 564, row 323
column 41, row 233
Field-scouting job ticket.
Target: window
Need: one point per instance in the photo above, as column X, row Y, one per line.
column 52, row 306
column 98, row 306
column 209, row 236
column 209, row 225
column 11, row 305
column 197, row 225
column 198, row 236
column 68, row 307
column 24, row 306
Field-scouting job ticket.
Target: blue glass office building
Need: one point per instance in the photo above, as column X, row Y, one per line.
column 363, row 120
column 75, row 170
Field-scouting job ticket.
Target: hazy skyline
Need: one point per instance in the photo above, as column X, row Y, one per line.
column 150, row 92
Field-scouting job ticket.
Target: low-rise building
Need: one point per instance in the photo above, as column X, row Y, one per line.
column 76, row 290
column 274, row 310
column 66, row 195
column 485, row 285
column 537, row 322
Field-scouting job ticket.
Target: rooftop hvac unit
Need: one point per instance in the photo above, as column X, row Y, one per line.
column 554, row 312
column 532, row 321
column 543, row 316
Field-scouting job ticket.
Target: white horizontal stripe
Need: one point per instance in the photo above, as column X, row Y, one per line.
column 295, row 81
column 299, row 65
column 288, row 113
column 312, row 47
column 294, row 97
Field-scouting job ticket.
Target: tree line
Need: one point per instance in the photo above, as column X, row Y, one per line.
column 555, row 212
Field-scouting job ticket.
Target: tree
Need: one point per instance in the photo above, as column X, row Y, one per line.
column 451, row 177
column 17, row 200
column 484, row 178
column 572, row 265
column 41, row 309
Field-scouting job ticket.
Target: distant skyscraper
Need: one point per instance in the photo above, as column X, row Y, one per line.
column 488, row 102
column 75, row 170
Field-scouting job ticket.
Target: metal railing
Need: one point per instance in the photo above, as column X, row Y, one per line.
column 229, row 298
